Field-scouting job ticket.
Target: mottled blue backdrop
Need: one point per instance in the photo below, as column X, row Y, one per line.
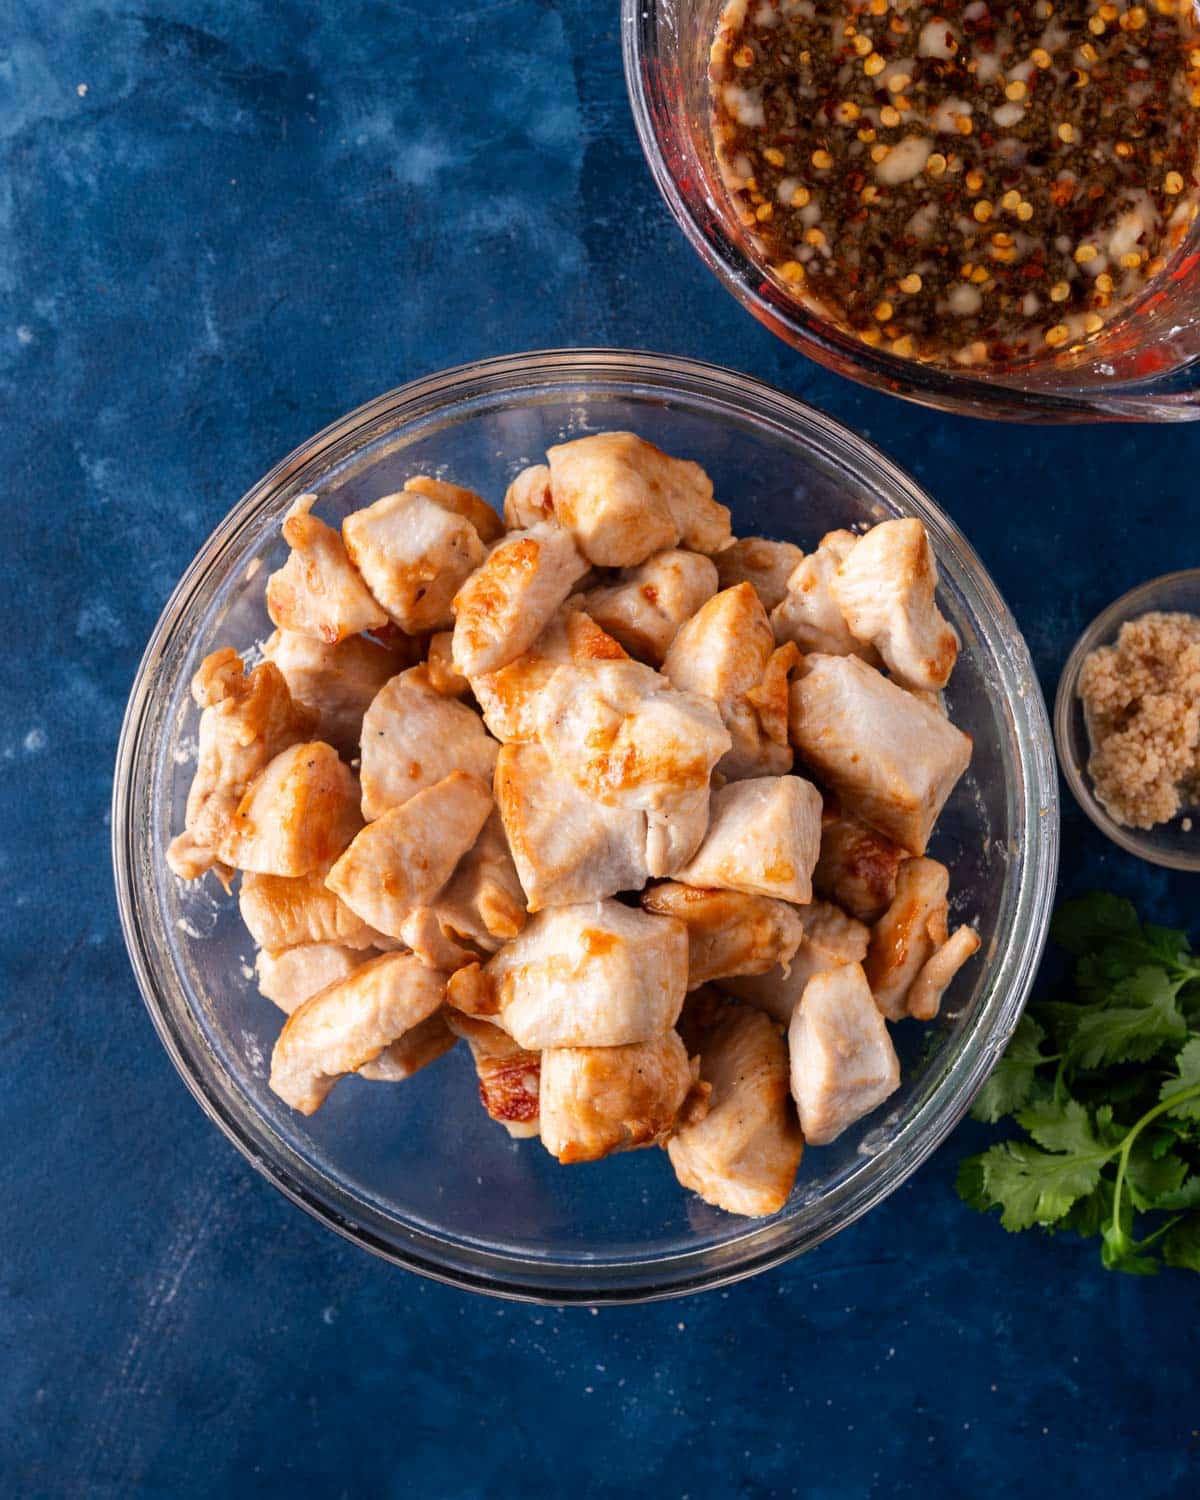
column 221, row 225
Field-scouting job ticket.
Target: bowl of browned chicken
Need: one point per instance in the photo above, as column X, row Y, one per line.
column 585, row 826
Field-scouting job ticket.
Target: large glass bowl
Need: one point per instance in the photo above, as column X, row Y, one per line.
column 416, row 1171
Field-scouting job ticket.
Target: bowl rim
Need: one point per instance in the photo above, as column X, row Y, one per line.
column 1135, row 601
column 523, row 1278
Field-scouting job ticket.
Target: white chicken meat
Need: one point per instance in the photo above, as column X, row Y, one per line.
column 763, row 838
column 765, row 564
column 729, row 932
column 644, row 609
column 831, row 939
column 318, row 591
column 843, row 1063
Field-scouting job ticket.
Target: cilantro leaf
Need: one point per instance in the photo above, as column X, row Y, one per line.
column 1030, row 1186
column 1064, row 1126
column 1181, row 1247
column 1012, row 1079
column 1187, row 1078
column 1150, row 1178
column 969, row 1183
column 1185, row 1197
column 1082, row 925
column 1131, row 1031
column 1119, row 1252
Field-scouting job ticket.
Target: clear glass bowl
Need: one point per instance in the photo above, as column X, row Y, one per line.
column 1169, row 844
column 1145, row 368
column 416, row 1172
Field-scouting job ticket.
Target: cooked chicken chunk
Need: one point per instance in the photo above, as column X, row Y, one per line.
column 904, row 965
column 336, row 683
column 506, row 604
column 649, row 603
column 413, row 736
column 444, row 677
column 925, row 994
column 317, row 592
column 722, row 652
column 598, row 1100
column 283, row 913
column 857, row 866
column 843, row 1064
column 462, row 502
column 400, row 862
column 247, row 719
column 508, row 1075
column 416, row 1049
column 528, row 499
column 624, row 499
column 728, row 931
column 763, row 837
column 483, row 903
column 340, row 1028
column 765, row 564
column 891, row 761
column 831, row 938
column 288, row 976
column 743, row 1155
column 298, row 813
column 885, row 589
column 414, row 554
column 808, row 613
column 595, row 975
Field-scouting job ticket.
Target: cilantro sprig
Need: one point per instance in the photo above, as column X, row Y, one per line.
column 1104, row 1089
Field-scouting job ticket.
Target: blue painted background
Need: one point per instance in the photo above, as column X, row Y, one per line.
column 222, row 225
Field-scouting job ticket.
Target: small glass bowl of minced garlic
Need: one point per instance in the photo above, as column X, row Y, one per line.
column 1127, row 721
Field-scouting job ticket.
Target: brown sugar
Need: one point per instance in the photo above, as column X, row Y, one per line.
column 1141, row 697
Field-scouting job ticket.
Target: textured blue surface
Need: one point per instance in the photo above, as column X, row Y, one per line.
column 221, row 225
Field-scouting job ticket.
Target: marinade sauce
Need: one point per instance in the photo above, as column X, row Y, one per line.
column 977, row 184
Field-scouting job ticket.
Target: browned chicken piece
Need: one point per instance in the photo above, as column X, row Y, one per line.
column 444, row 677
column 763, row 838
column 247, row 719
column 283, row 913
column 890, row 760
column 831, row 938
column 288, row 976
column 649, row 603
column 624, row 499
column 508, row 1074
column 317, row 592
column 595, row 975
column 416, row 1049
column 402, row 860
column 728, row 931
column 843, row 1064
column 462, row 502
column 528, row 499
column 744, row 1154
column 413, row 736
column 347, row 1025
column 909, row 933
column 567, row 846
column 414, row 554
column 808, row 614
column 927, row 989
column 886, row 590
column 506, row 604
column 483, row 904
column 857, row 866
column 298, row 813
column 765, row 564
column 599, row 1100
column 723, row 652
column 337, row 683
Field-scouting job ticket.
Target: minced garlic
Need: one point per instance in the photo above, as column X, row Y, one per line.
column 1142, row 701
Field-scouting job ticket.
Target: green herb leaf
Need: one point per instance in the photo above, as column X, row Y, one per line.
column 1186, row 1078
column 1082, row 925
column 1185, row 1197
column 1181, row 1247
column 1143, row 1021
column 1149, row 1178
column 1035, row 1187
column 1011, row 1082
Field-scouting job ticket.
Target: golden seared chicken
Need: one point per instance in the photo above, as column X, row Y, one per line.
column 831, row 938
column 483, row 903
column 288, row 976
column 298, row 813
column 337, row 683
column 505, row 605
column 728, row 932
column 509, row 1076
column 843, row 1064
column 247, row 718
column 763, row 837
column 624, row 499
column 400, row 862
column 808, row 614
column 743, row 1155
column 647, row 605
column 765, row 564
column 444, row 676
column 528, row 499
column 595, row 975
column 890, row 760
column 414, row 555
column 461, row 502
column 726, row 652
column 416, row 1049
column 857, row 865
column 885, row 589
column 413, row 736
column 926, row 991
column 283, row 913
column 339, row 1029
column 318, row 592
column 598, row 1100
column 906, row 937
